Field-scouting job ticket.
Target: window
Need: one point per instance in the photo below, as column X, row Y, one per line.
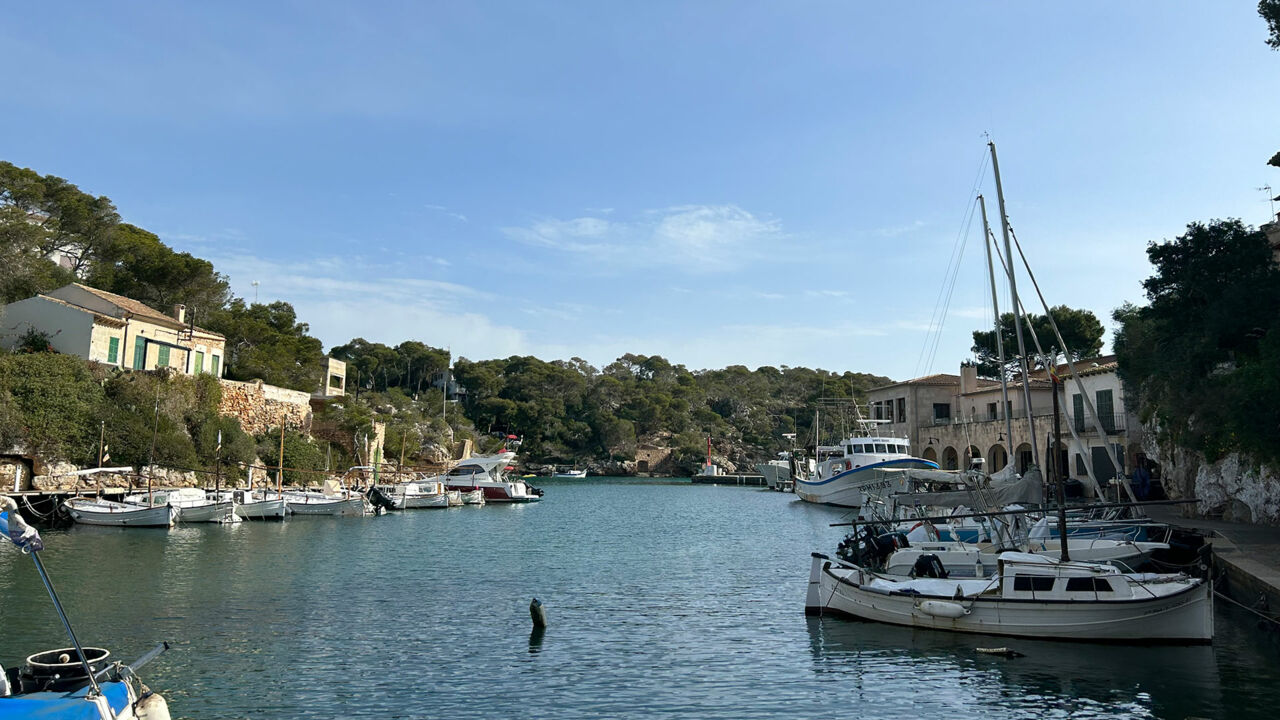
column 1088, row 584
column 1077, row 409
column 880, row 448
column 335, row 381
column 199, row 366
column 213, row 365
column 991, row 411
column 1106, row 411
column 902, row 410
column 942, row 411
column 162, row 356
column 1032, row 583
column 139, row 353
column 849, row 450
column 113, row 349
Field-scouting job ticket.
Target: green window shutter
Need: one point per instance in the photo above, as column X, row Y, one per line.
column 1077, row 411
column 162, row 356
column 113, row 349
column 1106, row 411
column 199, row 368
column 213, row 365
column 139, row 353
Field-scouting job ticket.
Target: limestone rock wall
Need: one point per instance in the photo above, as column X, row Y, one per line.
column 261, row 407
column 1233, row 488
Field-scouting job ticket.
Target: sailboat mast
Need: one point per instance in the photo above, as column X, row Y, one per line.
column 280, row 470
column 987, row 239
column 1017, row 313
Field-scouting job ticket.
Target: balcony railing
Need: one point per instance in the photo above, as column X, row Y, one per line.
column 1113, row 423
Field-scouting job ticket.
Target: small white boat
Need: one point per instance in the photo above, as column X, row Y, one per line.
column 574, row 474
column 417, row 494
column 1030, row 596
column 454, row 497
column 473, row 497
column 332, row 500
column 257, row 504
column 94, row 511
column 193, row 505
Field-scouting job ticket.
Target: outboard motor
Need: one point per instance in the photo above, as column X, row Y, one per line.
column 929, row 566
column 379, row 498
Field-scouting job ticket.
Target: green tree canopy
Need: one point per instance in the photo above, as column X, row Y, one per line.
column 1080, row 329
column 1270, row 12
column 1204, row 355
column 138, row 265
column 268, row 342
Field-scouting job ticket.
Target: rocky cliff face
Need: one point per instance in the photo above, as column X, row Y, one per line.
column 1233, row 488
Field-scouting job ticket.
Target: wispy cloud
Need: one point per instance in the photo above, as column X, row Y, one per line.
column 696, row 238
column 446, row 211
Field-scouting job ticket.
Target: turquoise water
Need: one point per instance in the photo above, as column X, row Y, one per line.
column 664, row 601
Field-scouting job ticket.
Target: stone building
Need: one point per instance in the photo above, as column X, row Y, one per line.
column 952, row 419
column 334, row 382
column 114, row 330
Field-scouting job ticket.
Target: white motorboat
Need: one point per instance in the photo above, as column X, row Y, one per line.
column 95, row 511
column 1030, row 596
column 472, row 497
column 776, row 473
column 193, row 505
column 968, row 560
column 570, row 474
column 417, row 494
column 846, row 473
column 333, row 500
column 488, row 474
column 454, row 497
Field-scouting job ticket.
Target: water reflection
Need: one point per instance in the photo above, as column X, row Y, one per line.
column 1164, row 681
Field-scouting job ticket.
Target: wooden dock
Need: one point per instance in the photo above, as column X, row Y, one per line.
column 730, row 479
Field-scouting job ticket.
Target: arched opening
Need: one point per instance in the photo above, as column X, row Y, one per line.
column 971, row 453
column 950, row 458
column 930, row 454
column 997, row 458
column 1024, row 457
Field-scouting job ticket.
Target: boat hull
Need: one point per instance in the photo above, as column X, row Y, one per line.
column 119, row 514
column 849, row 488
column 274, row 509
column 214, row 512
column 1184, row 617
column 325, row 507
column 418, row 502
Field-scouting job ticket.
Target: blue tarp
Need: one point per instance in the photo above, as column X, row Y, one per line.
column 62, row 706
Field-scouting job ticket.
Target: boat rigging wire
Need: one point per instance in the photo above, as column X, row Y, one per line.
column 929, row 350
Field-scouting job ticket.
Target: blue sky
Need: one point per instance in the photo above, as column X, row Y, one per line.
column 714, row 182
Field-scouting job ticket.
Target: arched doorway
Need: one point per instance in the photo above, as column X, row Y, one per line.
column 997, row 458
column 950, row 459
column 1023, row 458
column 930, row 454
column 971, row 453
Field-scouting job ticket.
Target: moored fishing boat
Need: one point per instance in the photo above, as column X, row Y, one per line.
column 846, row 473
column 95, row 511
column 574, row 474
column 193, row 505
column 422, row 493
column 1030, row 596
column 332, row 500
column 473, row 497
column 258, row 504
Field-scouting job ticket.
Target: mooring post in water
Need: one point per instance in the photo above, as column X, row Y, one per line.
column 538, row 613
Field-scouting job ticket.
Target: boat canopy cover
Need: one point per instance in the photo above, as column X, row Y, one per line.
column 1027, row 489
column 63, row 706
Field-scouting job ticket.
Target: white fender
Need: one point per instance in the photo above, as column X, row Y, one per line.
column 942, row 608
column 151, row 707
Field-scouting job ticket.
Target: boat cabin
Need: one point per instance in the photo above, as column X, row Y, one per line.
column 1036, row 577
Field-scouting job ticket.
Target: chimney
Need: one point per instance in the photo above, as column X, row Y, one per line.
column 180, row 313
column 968, row 378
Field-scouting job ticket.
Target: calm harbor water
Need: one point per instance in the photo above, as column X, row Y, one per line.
column 664, row 601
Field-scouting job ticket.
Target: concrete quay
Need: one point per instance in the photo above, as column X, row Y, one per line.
column 1246, row 557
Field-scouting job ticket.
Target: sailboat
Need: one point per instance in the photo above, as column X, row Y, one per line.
column 1029, row 595
column 98, row 511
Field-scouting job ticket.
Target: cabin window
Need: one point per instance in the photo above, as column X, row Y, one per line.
column 1088, row 584
column 849, row 450
column 881, row 448
column 1032, row 583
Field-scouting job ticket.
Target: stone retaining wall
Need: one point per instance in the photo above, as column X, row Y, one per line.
column 261, row 408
